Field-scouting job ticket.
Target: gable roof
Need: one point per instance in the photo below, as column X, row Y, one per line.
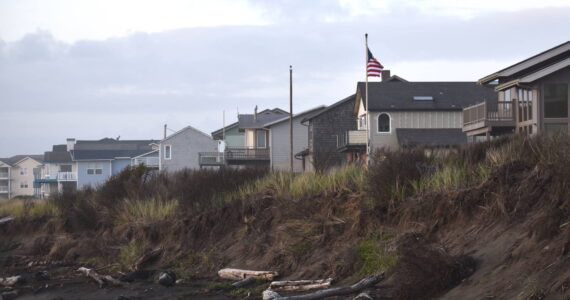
column 306, row 113
column 14, row 160
column 330, row 107
column 412, row 137
column 186, row 129
column 447, row 96
column 221, row 130
column 263, row 117
column 531, row 64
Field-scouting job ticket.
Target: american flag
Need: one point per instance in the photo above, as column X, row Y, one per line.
column 373, row 67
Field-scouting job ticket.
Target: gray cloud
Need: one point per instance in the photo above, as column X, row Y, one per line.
column 188, row 76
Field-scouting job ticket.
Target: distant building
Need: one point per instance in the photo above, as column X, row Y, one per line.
column 249, row 131
column 279, row 154
column 533, row 97
column 410, row 114
column 180, row 150
column 58, row 172
column 98, row 160
column 17, row 175
column 325, row 130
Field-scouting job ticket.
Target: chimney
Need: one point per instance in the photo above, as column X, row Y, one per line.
column 255, row 113
column 164, row 130
column 70, row 144
column 385, row 75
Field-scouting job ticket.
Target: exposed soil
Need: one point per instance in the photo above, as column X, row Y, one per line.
column 505, row 239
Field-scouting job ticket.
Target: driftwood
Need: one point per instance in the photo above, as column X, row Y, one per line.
column 146, row 258
column 238, row 274
column 100, row 279
column 6, row 220
column 10, row 281
column 243, row 282
column 300, row 285
column 357, row 287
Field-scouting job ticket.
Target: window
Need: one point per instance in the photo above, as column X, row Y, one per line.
column 65, row 168
column 260, row 138
column 167, row 152
column 423, row 98
column 94, row 169
column 23, row 171
column 362, row 122
column 23, row 185
column 383, row 122
column 556, row 100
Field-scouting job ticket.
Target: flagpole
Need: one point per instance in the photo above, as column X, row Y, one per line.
column 366, row 104
column 291, row 118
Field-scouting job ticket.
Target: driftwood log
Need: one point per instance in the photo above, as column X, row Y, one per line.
column 10, row 281
column 300, row 285
column 244, row 282
column 238, row 274
column 100, row 279
column 147, row 258
column 357, row 287
column 6, row 220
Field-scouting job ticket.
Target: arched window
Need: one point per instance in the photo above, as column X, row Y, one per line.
column 383, row 122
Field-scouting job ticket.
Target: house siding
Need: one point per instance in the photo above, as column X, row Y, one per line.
column 118, row 165
column 185, row 147
column 325, row 129
column 93, row 180
column 28, row 178
column 235, row 138
column 279, row 138
column 411, row 119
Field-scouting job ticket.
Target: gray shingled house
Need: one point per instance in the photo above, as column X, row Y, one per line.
column 181, row 149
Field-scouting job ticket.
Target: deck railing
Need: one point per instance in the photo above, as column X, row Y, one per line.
column 352, row 137
column 211, row 158
column 489, row 111
column 247, row 154
column 67, row 176
column 151, row 162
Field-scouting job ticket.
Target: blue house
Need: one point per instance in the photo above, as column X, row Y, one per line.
column 99, row 160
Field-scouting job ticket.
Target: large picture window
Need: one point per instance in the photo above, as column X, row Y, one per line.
column 94, row 169
column 260, row 138
column 384, row 123
column 556, row 100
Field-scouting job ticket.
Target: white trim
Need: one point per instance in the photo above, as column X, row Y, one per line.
column 378, row 127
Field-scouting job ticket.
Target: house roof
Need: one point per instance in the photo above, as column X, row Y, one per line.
column 531, row 64
column 411, row 137
column 14, row 160
column 263, row 118
column 447, row 96
column 221, row 130
column 58, row 154
column 328, row 108
column 185, row 129
column 110, row 149
column 306, row 113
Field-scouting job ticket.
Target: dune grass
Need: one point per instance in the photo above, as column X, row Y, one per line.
column 28, row 208
column 144, row 211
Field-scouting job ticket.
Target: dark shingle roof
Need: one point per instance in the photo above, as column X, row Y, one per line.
column 58, row 154
column 411, row 137
column 446, row 95
column 264, row 117
column 303, row 114
column 110, row 149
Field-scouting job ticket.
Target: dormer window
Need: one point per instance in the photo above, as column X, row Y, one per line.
column 423, row 98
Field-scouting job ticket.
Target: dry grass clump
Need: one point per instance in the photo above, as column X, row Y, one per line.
column 28, row 208
column 145, row 211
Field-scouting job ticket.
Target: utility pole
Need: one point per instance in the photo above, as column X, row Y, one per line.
column 291, row 118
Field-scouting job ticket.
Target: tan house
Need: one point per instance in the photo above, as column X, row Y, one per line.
column 533, row 97
column 17, row 175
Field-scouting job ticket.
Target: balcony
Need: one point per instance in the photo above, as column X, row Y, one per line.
column 151, row 162
column 489, row 114
column 3, row 189
column 352, row 139
column 66, row 176
column 234, row 156
column 4, row 175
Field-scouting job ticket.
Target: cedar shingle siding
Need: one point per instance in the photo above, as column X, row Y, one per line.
column 324, row 130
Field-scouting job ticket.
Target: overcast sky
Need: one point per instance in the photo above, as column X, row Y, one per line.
column 105, row 68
